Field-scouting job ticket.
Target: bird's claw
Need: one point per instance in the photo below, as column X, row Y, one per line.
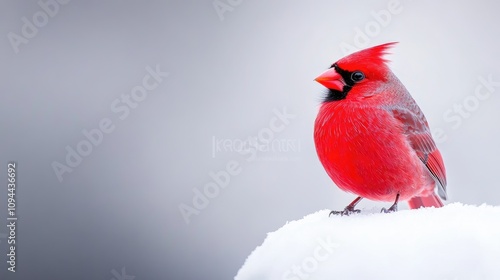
column 393, row 208
column 346, row 212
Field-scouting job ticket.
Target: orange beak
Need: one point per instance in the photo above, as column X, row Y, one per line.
column 331, row 79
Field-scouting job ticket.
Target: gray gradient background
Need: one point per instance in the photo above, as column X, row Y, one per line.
column 119, row 207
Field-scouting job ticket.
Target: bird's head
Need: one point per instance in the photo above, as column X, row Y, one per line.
column 356, row 75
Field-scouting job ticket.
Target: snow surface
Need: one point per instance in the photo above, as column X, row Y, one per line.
column 451, row 243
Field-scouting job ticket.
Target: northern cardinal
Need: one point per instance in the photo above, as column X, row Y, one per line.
column 372, row 138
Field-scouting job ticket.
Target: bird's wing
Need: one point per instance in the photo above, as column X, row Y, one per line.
column 419, row 136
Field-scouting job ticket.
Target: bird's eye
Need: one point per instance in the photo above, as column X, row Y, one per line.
column 357, row 76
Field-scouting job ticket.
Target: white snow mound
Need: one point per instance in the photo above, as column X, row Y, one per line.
column 451, row 243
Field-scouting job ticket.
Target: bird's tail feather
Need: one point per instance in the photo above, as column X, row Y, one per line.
column 425, row 201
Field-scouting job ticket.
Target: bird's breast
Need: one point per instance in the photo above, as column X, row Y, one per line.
column 364, row 151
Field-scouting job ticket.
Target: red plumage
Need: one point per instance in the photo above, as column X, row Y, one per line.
column 372, row 138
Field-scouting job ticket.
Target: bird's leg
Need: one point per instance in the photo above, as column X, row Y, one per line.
column 393, row 208
column 349, row 209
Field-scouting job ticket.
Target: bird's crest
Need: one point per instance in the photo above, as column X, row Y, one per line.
column 373, row 55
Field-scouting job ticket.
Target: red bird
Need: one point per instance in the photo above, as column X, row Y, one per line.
column 372, row 138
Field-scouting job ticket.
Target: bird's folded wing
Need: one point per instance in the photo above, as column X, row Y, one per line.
column 419, row 136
